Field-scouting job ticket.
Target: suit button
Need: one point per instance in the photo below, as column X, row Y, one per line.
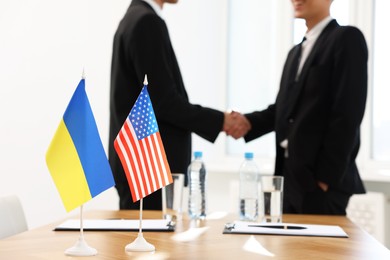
column 291, row 120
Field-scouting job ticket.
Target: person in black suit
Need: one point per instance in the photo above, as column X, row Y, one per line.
column 142, row 46
column 317, row 114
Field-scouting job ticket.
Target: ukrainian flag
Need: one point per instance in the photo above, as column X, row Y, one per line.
column 76, row 158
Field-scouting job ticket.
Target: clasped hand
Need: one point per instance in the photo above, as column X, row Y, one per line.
column 236, row 124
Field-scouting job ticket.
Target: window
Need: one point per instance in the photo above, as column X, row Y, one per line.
column 256, row 52
column 380, row 150
column 257, row 48
column 260, row 34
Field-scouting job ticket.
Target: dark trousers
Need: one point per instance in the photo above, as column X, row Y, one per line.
column 328, row 202
column 331, row 202
column 298, row 201
column 151, row 202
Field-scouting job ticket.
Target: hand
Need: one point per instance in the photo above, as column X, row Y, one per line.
column 236, row 124
column 323, row 186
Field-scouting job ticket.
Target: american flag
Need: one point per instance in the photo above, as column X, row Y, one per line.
column 141, row 151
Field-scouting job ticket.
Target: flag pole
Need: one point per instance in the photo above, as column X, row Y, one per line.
column 81, row 247
column 121, row 146
column 140, row 244
column 140, row 215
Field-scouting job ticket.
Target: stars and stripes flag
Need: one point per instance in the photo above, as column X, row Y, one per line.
column 141, row 151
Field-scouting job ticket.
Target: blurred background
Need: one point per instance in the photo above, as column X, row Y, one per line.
column 231, row 54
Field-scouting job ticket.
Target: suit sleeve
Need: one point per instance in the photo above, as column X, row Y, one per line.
column 153, row 55
column 349, row 92
column 262, row 122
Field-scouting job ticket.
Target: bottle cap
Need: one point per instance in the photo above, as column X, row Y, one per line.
column 197, row 154
column 248, row 155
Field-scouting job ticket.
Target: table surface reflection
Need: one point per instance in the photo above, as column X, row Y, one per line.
column 197, row 240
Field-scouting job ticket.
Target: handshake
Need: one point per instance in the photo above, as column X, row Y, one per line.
column 236, row 124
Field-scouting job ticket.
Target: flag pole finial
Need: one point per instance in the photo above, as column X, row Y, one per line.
column 146, row 80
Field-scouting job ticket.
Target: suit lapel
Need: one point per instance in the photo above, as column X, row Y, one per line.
column 298, row 86
column 317, row 46
column 287, row 77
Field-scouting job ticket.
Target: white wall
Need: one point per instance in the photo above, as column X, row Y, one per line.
column 44, row 47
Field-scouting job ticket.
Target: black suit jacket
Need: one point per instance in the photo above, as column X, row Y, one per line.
column 142, row 46
column 321, row 115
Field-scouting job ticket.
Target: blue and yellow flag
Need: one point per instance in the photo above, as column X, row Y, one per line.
column 76, row 158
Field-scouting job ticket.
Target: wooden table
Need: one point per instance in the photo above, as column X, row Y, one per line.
column 206, row 242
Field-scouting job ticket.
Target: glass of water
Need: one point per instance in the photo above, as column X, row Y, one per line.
column 271, row 197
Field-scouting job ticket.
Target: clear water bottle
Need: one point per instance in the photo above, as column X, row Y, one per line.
column 197, row 187
column 249, row 189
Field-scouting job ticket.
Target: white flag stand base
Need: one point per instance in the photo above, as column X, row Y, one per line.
column 81, row 248
column 140, row 245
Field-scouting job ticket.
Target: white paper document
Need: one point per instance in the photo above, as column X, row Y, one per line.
column 287, row 229
column 116, row 225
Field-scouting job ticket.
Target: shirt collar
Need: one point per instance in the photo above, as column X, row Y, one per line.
column 155, row 7
column 318, row 28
